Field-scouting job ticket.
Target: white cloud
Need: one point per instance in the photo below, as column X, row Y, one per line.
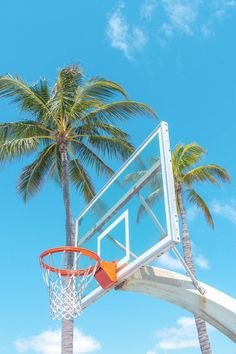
column 148, row 9
column 138, row 39
column 218, row 9
column 182, row 336
column 202, row 262
column 49, row 342
column 195, row 17
column 181, row 14
column 171, row 262
column 226, row 210
column 192, row 213
column 123, row 36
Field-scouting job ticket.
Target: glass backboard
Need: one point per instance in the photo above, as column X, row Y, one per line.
column 133, row 219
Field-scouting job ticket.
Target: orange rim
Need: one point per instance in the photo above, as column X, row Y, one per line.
column 65, row 272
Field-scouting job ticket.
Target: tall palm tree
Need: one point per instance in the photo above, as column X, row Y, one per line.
column 186, row 173
column 70, row 125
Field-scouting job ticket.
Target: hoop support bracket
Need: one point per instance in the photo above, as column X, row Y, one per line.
column 106, row 274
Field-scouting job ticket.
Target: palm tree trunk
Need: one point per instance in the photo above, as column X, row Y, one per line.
column 200, row 324
column 67, row 328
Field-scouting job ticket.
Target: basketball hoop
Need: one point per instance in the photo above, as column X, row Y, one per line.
column 65, row 280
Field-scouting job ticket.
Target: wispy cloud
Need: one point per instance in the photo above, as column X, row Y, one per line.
column 49, row 342
column 171, row 18
column 196, row 16
column 123, row 36
column 148, row 9
column 181, row 336
column 226, row 210
column 192, row 213
column 171, row 262
column 202, row 262
column 181, row 14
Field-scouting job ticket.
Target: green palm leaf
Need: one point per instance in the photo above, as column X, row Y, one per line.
column 23, row 129
column 83, row 153
column 64, row 91
column 194, row 198
column 206, row 173
column 81, row 180
column 18, row 147
column 28, row 98
column 112, row 147
column 119, row 111
column 100, row 89
column 100, row 128
column 31, row 179
column 188, row 155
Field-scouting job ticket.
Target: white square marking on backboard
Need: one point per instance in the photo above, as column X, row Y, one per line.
column 124, row 216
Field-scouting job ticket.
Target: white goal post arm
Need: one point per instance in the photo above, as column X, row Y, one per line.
column 214, row 306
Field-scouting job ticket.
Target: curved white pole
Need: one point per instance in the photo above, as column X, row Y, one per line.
column 215, row 307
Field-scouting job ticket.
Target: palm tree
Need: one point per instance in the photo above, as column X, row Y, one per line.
column 186, row 174
column 69, row 126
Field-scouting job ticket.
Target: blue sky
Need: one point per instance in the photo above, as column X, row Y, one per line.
column 179, row 57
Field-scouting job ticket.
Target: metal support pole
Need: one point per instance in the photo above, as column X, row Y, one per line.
column 201, row 290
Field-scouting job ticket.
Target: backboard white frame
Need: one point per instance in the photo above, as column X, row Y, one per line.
column 172, row 237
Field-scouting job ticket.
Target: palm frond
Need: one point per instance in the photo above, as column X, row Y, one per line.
column 112, row 147
column 55, row 171
column 86, row 155
column 81, row 180
column 121, row 111
column 208, row 173
column 31, row 179
column 80, row 107
column 64, row 92
column 101, row 89
column 28, row 98
column 23, row 129
column 41, row 89
column 194, row 198
column 100, row 128
column 16, row 148
column 175, row 159
column 188, row 155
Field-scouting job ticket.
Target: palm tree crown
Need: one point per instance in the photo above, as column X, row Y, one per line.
column 75, row 118
column 186, row 173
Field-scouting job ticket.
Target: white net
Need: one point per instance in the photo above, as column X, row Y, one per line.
column 66, row 291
